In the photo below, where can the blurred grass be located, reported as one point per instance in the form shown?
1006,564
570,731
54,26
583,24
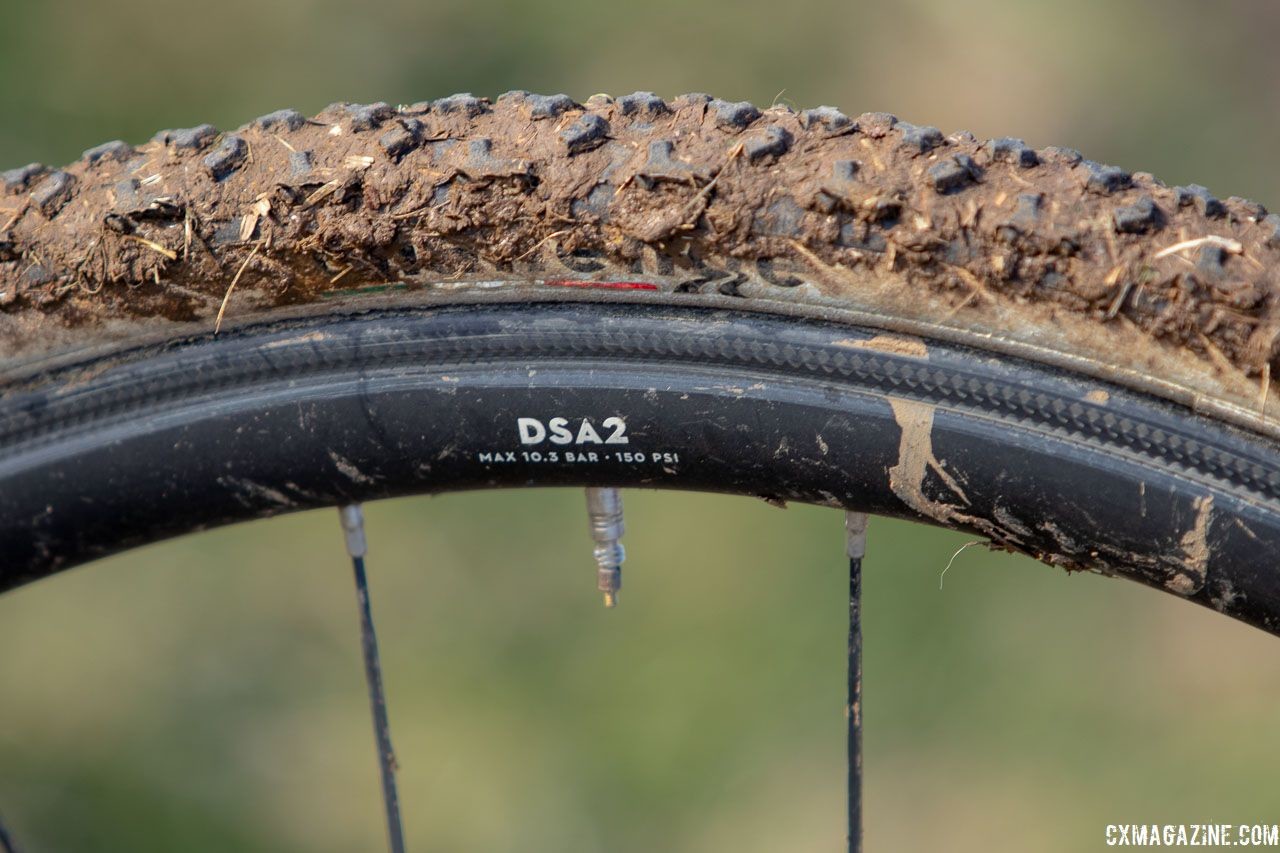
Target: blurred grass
206,694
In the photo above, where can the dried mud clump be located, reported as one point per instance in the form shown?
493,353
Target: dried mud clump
686,191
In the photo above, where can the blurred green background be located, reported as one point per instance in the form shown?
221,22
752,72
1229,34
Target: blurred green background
206,694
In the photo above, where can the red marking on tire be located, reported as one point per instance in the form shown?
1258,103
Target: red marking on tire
603,285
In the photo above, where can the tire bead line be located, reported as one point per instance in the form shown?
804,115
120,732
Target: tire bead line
896,376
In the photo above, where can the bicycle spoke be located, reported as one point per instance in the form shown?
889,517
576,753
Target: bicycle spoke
604,511
855,525
353,529
7,844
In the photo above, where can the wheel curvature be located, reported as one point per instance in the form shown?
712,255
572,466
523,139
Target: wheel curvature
281,417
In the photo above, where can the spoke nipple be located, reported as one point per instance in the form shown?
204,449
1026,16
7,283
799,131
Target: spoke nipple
855,530
353,529
604,512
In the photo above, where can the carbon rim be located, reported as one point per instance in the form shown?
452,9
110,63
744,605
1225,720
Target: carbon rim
297,415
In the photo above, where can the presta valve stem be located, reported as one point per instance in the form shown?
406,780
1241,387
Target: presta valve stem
604,512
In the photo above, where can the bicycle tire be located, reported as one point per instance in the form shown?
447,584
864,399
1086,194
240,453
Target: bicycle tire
806,267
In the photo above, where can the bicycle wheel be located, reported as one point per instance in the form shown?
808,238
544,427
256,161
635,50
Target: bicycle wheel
1069,360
